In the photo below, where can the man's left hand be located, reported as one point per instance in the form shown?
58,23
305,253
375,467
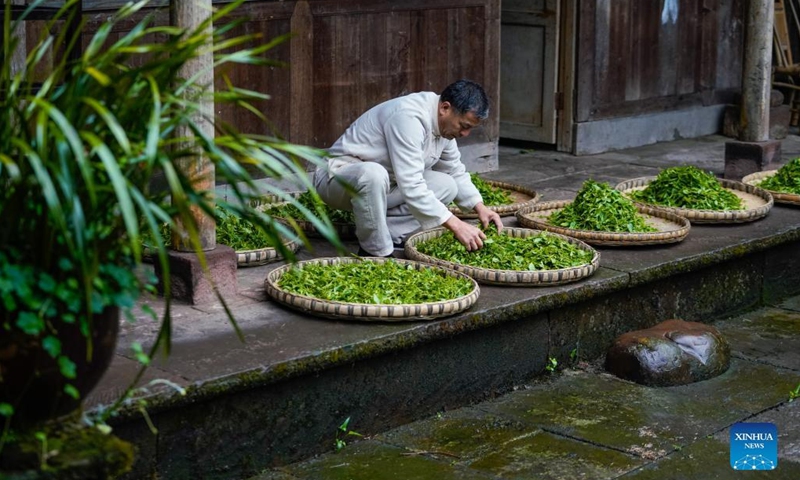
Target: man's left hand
485,215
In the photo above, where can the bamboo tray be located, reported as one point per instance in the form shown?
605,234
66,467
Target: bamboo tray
511,278
672,228
755,179
365,311
757,203
522,197
244,258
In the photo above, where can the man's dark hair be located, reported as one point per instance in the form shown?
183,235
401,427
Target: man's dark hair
467,96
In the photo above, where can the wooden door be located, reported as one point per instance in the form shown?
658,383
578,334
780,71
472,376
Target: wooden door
528,69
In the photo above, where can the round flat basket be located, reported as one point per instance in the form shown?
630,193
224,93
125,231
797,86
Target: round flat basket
509,278
365,311
262,256
757,203
520,195
755,179
671,228
244,258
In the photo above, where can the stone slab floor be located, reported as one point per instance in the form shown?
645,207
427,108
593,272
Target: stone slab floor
581,423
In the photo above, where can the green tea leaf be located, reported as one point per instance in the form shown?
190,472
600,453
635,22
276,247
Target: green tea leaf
688,187
536,252
374,283
785,180
598,207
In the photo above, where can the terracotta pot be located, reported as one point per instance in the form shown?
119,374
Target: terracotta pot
30,378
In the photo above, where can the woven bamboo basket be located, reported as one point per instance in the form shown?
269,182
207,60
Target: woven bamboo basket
755,179
671,228
522,197
757,203
370,312
510,278
244,258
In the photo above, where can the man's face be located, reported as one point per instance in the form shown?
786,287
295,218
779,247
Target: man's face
452,125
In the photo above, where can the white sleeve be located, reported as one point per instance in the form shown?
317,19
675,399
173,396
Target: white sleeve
450,163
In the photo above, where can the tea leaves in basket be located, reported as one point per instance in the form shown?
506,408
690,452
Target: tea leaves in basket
688,187
371,282
313,203
598,207
492,196
785,180
541,251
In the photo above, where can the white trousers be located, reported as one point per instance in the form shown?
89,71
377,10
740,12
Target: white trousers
382,217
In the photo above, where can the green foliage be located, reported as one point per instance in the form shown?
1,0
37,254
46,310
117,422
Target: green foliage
372,282
502,252
785,180
688,187
311,201
79,150
552,365
343,431
598,207
492,196
794,394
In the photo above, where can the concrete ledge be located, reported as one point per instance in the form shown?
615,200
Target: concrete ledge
619,133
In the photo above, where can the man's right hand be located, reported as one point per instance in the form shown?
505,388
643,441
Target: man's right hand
469,235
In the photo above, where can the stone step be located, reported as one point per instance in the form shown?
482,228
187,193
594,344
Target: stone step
279,396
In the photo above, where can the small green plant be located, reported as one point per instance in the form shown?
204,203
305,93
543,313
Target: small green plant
342,432
552,365
573,354
786,179
688,187
794,394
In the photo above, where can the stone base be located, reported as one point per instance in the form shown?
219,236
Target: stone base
744,158
190,283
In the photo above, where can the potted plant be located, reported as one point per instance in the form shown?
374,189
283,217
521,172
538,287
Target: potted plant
78,153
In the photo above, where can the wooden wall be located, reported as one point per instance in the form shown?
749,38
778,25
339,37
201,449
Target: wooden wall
630,63
348,55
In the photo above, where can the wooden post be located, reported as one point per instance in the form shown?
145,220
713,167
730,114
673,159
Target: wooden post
757,71
189,14
189,279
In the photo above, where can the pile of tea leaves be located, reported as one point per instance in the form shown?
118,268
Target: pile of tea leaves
231,231
503,252
785,180
688,187
372,282
492,196
600,208
313,203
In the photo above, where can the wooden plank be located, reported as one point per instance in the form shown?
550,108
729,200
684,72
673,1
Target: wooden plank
566,76
586,60
302,74
688,42
618,56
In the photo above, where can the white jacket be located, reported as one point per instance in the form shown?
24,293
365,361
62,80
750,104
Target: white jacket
402,134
